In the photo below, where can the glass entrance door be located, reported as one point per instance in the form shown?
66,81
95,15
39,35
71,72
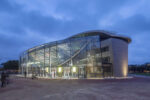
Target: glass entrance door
81,72
66,73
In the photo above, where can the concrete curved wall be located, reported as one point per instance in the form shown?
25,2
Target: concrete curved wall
120,57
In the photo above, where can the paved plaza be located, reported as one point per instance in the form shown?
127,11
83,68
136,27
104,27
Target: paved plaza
137,88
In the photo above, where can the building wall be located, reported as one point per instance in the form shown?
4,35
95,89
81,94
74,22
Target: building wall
120,57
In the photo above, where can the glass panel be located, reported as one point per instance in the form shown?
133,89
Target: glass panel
47,62
63,52
80,57
94,65
106,59
31,62
40,61
54,61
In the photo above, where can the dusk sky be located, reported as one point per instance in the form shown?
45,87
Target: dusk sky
28,23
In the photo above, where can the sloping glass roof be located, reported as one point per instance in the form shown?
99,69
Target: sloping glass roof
103,35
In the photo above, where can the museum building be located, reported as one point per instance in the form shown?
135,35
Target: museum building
91,54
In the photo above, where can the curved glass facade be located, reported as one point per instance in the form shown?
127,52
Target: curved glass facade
76,57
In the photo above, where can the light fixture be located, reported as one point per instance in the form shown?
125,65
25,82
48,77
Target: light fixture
59,69
47,69
74,69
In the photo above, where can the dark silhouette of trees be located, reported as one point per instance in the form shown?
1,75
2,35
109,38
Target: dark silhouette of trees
144,68
11,65
1,69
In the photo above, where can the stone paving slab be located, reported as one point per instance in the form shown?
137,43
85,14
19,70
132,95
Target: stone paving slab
43,89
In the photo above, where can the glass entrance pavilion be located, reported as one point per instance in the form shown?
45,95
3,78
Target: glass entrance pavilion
92,54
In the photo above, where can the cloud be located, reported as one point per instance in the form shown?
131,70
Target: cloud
45,7
27,23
